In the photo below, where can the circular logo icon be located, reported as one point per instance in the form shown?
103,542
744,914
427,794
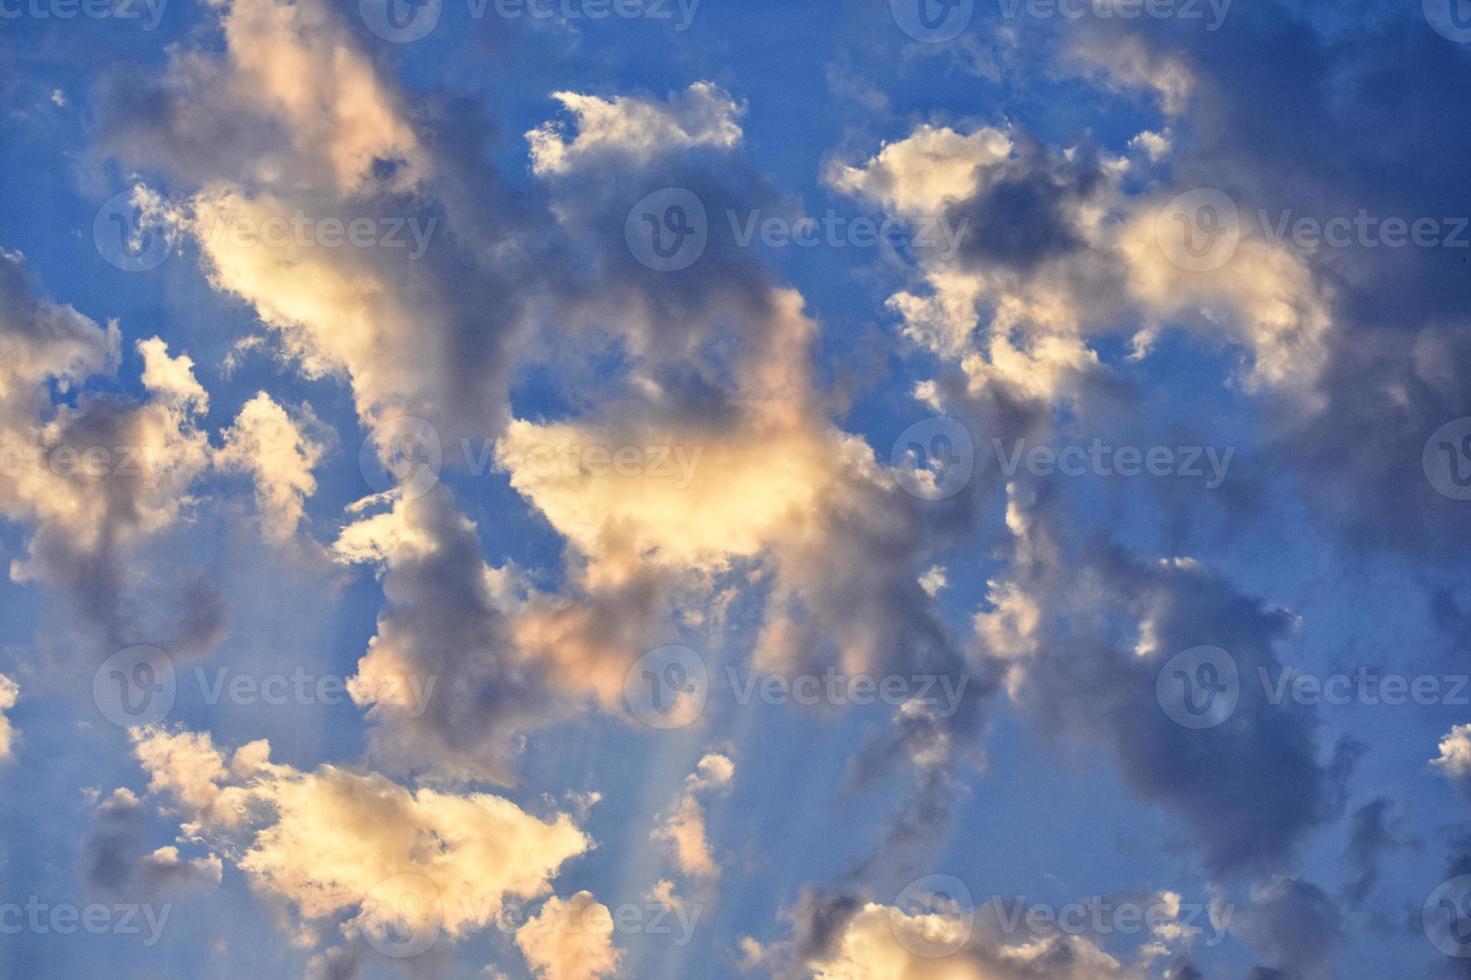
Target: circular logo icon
1199,688
1200,230
401,916
667,688
135,687
1446,917
127,239
1447,459
668,230
932,21
946,914
1451,18
933,459
410,457
400,21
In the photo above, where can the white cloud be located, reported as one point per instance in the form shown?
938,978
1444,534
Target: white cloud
570,940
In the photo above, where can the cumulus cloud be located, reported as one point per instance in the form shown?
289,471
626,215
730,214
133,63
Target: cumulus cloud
1084,632
1293,925
119,862
570,940
9,694
1455,753
683,830
94,475
340,846
1056,249
279,454
635,129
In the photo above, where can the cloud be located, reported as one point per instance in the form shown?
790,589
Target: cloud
119,863
1455,753
279,454
1084,631
570,940
684,828
1292,924
337,845
96,475
9,694
635,129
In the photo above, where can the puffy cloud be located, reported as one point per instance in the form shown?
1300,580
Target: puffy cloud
1455,753
684,828
119,863
336,844
1084,633
1294,926
9,694
634,128
570,940
279,454
97,475
878,942
445,685
1056,249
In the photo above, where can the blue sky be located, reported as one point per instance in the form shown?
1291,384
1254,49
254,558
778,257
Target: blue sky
575,490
